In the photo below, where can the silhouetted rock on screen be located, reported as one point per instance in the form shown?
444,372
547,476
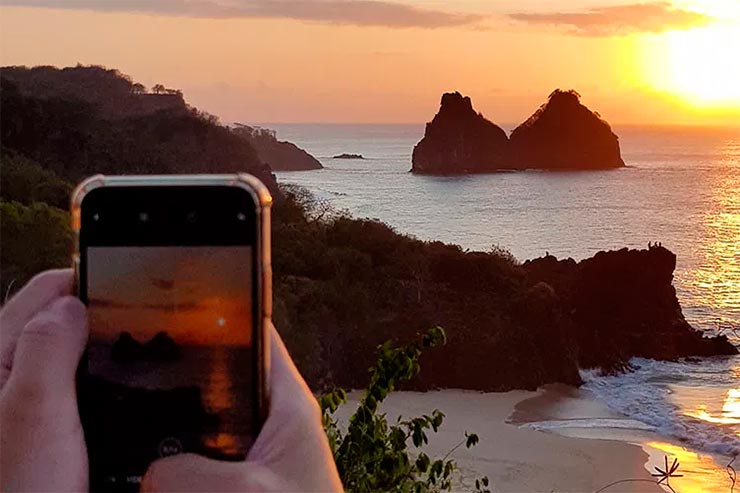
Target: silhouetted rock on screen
126,349
279,155
459,140
623,304
162,347
564,134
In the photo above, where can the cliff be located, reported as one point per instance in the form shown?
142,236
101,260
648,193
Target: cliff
622,304
459,140
279,155
564,134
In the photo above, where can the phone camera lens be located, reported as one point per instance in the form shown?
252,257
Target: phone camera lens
192,217
143,217
241,216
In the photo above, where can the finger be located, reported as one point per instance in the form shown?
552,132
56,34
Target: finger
292,440
49,349
18,311
193,473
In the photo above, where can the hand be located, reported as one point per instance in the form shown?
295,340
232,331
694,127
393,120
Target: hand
43,330
291,453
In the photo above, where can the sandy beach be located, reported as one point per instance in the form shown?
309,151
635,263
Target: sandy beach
517,458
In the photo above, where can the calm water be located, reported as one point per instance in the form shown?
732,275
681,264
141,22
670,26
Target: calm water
681,187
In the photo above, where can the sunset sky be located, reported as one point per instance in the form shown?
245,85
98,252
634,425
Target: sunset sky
389,61
198,295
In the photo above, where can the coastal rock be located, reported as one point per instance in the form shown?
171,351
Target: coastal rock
622,304
459,140
278,154
564,134
348,156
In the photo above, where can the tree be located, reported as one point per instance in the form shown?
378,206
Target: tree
158,89
138,88
35,238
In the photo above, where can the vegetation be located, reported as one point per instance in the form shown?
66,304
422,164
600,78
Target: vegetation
373,455
35,237
74,138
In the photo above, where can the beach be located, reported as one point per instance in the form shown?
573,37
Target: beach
517,458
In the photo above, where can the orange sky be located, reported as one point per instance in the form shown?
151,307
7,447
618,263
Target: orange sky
389,61
198,295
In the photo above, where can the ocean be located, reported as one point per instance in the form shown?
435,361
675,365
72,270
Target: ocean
681,187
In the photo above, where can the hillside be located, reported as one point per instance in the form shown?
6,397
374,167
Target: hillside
76,131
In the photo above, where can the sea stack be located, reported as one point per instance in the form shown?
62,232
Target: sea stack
564,134
459,140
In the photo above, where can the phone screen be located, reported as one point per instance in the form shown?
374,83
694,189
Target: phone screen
171,358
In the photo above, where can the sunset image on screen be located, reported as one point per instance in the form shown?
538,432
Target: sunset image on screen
170,357
197,295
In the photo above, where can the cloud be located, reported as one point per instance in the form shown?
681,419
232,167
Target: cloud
339,12
619,19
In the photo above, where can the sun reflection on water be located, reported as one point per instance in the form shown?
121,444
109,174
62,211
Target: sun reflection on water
715,280
730,414
701,473
218,397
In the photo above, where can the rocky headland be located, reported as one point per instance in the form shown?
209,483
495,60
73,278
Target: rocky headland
279,155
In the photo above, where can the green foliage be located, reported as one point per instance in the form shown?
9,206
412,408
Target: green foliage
34,238
374,455
24,181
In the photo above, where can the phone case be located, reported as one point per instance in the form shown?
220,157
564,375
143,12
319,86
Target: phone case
263,200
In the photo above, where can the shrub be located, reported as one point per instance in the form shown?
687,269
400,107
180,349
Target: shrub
373,455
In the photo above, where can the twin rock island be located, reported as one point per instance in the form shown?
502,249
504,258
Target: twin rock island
562,134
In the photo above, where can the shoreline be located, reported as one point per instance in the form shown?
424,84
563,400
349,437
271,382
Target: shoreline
517,458
568,411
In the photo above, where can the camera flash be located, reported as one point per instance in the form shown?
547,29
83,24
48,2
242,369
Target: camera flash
96,216
143,217
241,216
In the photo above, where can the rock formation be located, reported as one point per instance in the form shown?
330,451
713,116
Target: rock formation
622,304
561,135
279,155
459,140
564,134
348,156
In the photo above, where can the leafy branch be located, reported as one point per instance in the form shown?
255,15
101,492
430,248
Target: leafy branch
373,455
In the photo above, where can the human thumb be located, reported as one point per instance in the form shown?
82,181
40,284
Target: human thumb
49,350
194,473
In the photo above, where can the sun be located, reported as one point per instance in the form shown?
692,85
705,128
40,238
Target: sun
698,67
703,65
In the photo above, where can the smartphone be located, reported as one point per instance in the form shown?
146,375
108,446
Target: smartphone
175,271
